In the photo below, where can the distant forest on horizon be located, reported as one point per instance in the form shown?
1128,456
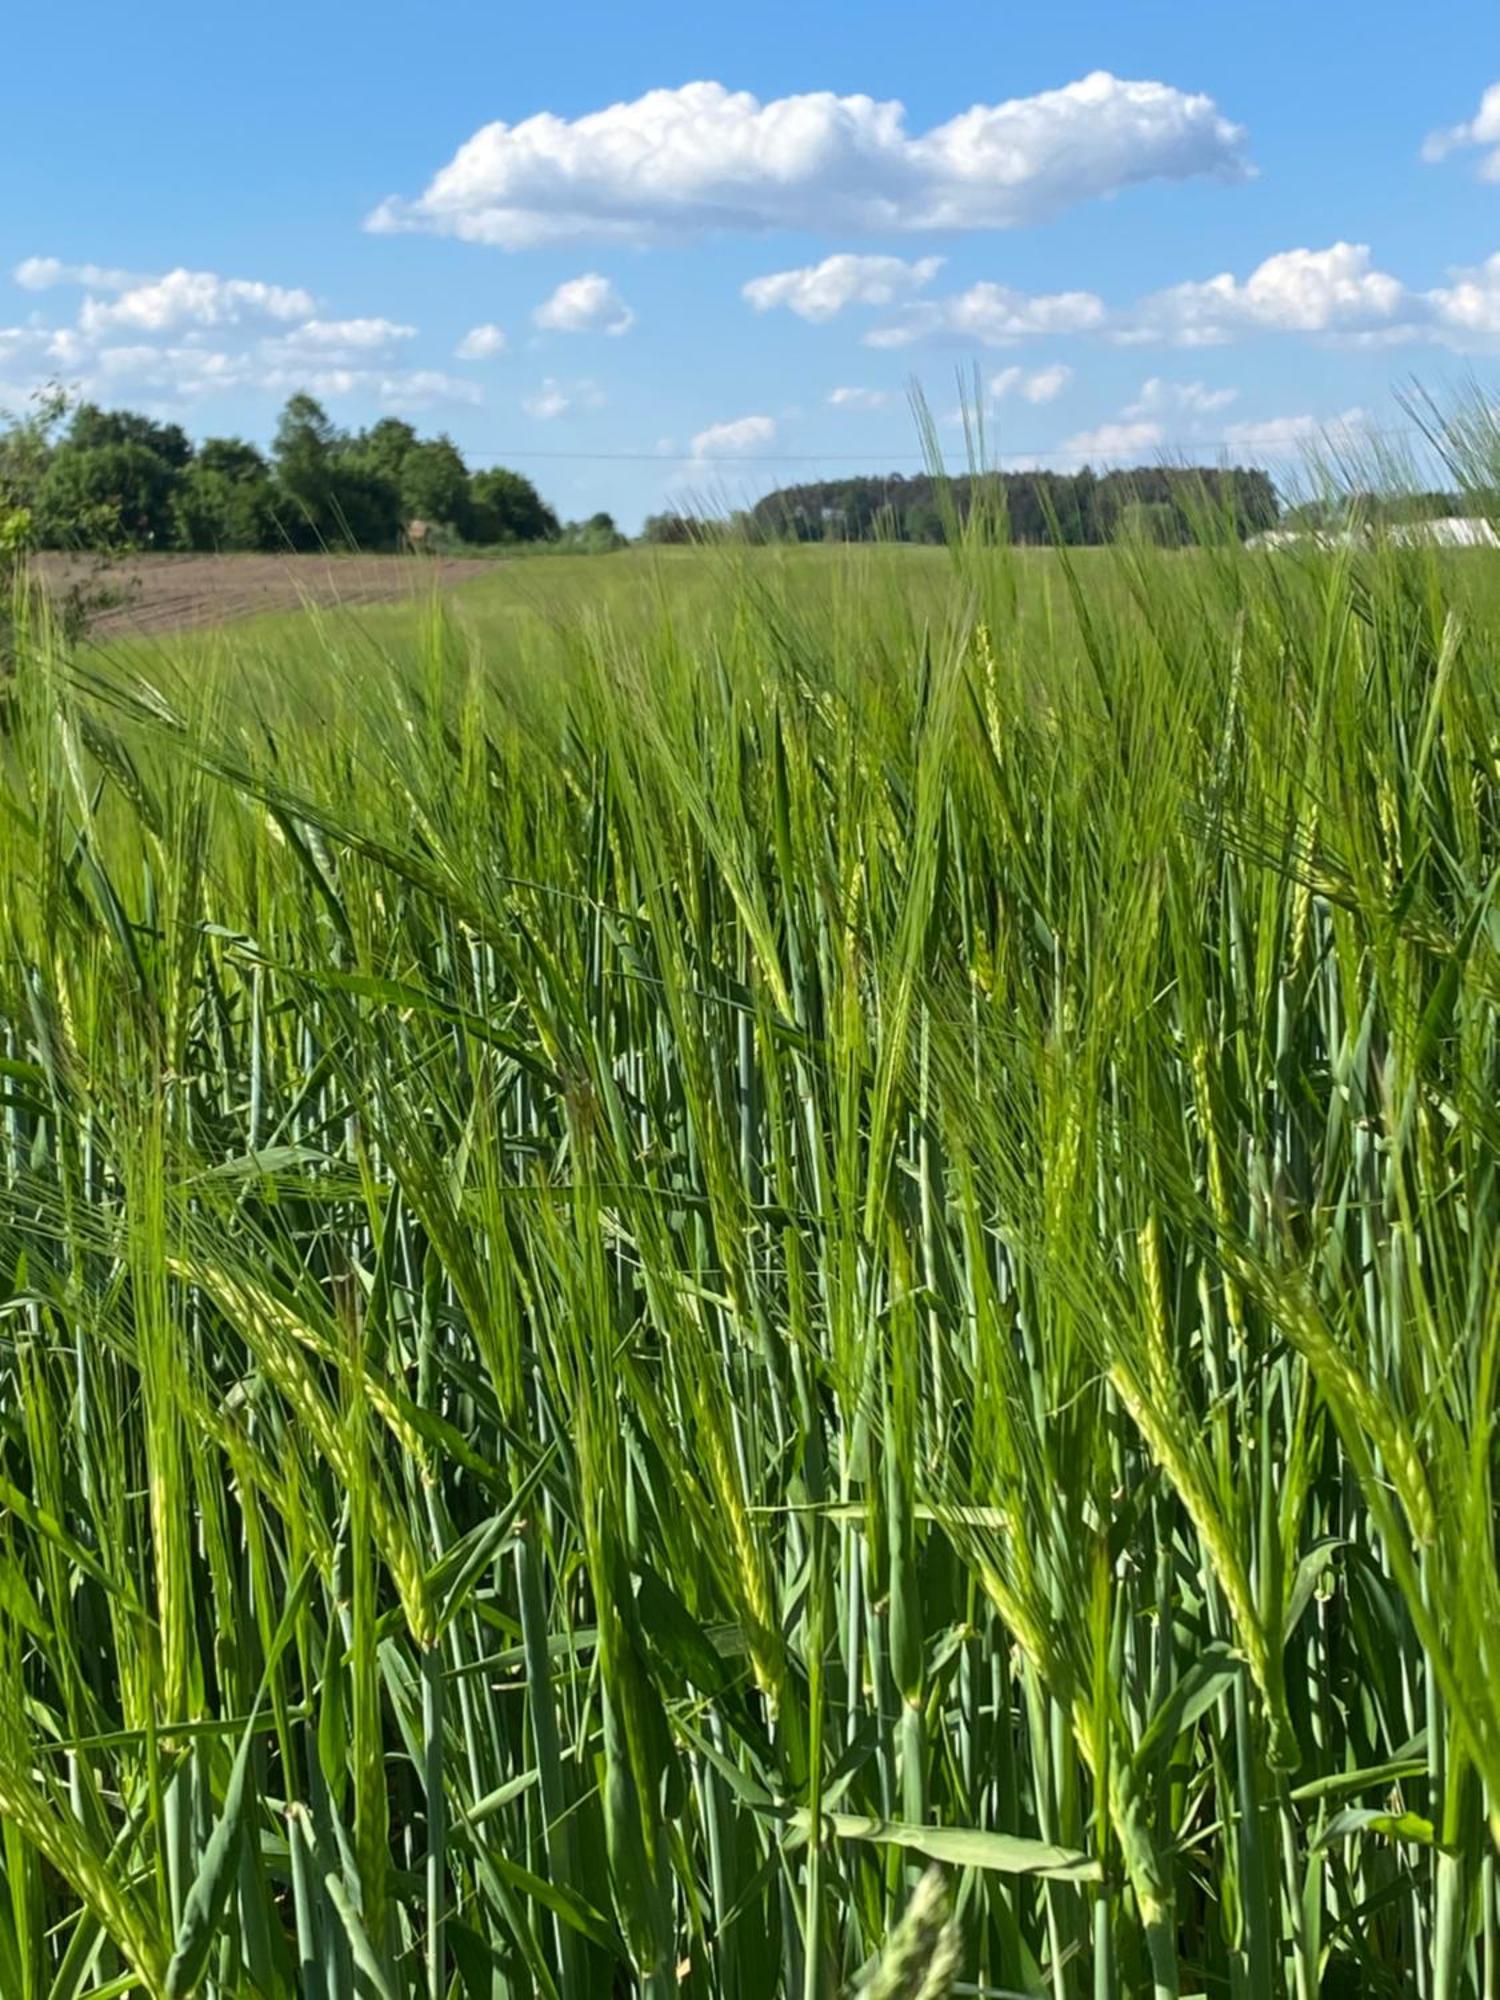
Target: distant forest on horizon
82,477
1169,504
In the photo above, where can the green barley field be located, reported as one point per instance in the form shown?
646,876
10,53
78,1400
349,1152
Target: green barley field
757,1274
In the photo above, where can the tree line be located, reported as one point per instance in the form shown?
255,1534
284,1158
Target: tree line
1171,505
86,477
1175,506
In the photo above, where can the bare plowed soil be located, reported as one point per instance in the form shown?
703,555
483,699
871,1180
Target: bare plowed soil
171,592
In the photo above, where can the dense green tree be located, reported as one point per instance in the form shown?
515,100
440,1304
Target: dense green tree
598,535
212,509
331,497
26,447
434,484
671,529
384,446
234,458
508,508
226,499
108,495
93,427
303,454
364,508
120,479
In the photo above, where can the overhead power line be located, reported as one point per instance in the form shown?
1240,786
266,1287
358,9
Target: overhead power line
997,462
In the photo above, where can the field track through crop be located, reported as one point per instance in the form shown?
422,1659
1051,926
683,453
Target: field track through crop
162,593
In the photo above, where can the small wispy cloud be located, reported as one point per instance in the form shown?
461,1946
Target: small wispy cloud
1115,440
1481,132
482,343
1032,385
1159,397
1292,435
588,304
994,315
41,274
556,399
734,439
819,291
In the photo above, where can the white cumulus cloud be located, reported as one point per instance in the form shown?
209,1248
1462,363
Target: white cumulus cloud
704,157
408,389
1032,385
1470,306
734,439
325,335
1116,440
40,274
194,298
859,399
818,291
549,401
173,333
994,315
1336,294
1337,290
183,374
1291,436
589,304
330,343
423,389
1134,435
1481,131
192,334
482,343
178,373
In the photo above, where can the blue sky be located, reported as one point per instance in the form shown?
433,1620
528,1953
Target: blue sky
1152,227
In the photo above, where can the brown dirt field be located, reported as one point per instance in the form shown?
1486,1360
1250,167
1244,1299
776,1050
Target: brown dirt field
171,592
